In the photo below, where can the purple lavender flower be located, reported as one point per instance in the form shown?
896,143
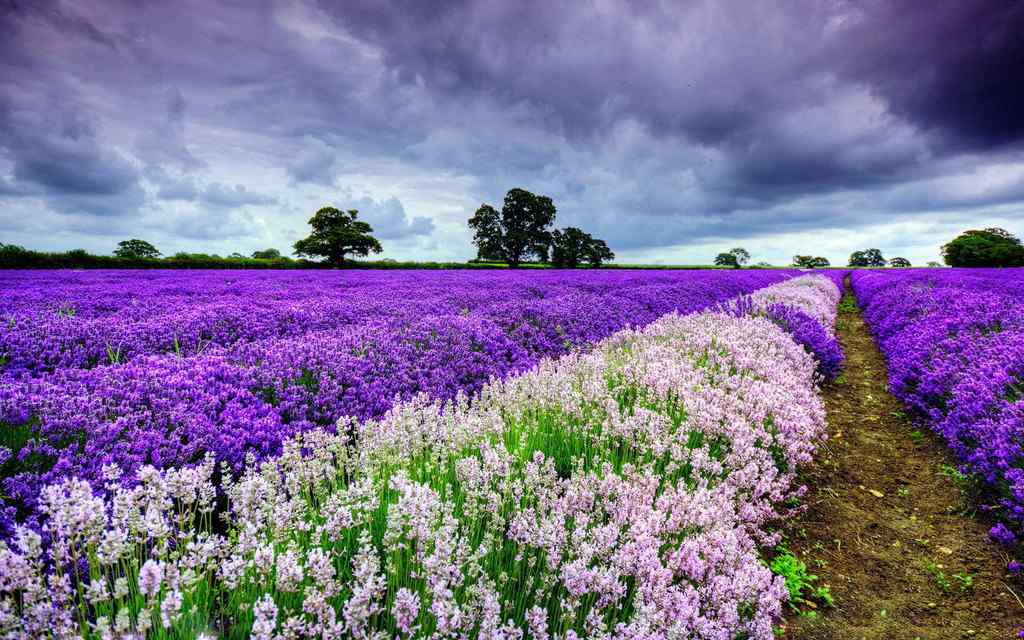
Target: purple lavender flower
954,341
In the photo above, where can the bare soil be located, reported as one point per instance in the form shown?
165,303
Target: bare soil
887,529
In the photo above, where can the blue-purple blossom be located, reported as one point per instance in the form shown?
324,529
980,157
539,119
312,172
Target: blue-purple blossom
954,341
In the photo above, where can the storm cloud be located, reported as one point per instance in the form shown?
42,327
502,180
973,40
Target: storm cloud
669,129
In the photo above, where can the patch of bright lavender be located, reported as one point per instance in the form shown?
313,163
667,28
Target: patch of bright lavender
615,492
804,307
954,341
158,368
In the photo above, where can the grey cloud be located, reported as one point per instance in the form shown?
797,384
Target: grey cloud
389,219
164,144
220,195
315,162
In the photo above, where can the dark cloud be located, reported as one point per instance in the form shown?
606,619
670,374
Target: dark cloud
955,67
163,145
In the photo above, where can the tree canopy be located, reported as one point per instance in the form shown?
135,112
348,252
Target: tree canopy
992,247
727,260
572,246
742,255
867,258
337,234
266,254
519,232
810,262
899,263
136,248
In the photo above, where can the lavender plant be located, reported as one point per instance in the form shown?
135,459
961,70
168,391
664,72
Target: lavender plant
953,340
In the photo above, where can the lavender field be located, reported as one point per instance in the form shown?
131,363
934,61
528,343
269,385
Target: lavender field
954,341
405,454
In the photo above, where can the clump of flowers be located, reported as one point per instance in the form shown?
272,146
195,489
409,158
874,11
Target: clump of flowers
954,341
810,334
805,308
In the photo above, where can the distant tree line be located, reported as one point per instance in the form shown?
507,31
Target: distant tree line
522,232
13,256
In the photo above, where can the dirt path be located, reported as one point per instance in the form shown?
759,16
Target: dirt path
886,527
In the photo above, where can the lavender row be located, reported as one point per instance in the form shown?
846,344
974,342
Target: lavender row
615,493
954,341
58,320
165,410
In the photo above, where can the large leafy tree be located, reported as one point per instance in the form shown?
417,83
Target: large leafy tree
810,262
727,260
598,253
992,247
867,258
135,248
519,232
742,255
572,246
337,234
899,263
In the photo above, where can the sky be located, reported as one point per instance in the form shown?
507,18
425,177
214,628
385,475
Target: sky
673,130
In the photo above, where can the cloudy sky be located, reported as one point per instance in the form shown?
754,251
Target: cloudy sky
673,130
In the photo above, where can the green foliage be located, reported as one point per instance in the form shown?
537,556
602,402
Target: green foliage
727,260
848,304
969,486
867,258
136,248
742,255
266,254
939,575
799,582
571,247
899,263
337,234
964,580
810,262
992,247
519,232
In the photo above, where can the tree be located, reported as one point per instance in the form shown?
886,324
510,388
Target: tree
571,246
519,232
810,262
867,258
267,254
992,247
487,233
727,260
135,249
337,234
933,264
899,263
599,253
742,256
